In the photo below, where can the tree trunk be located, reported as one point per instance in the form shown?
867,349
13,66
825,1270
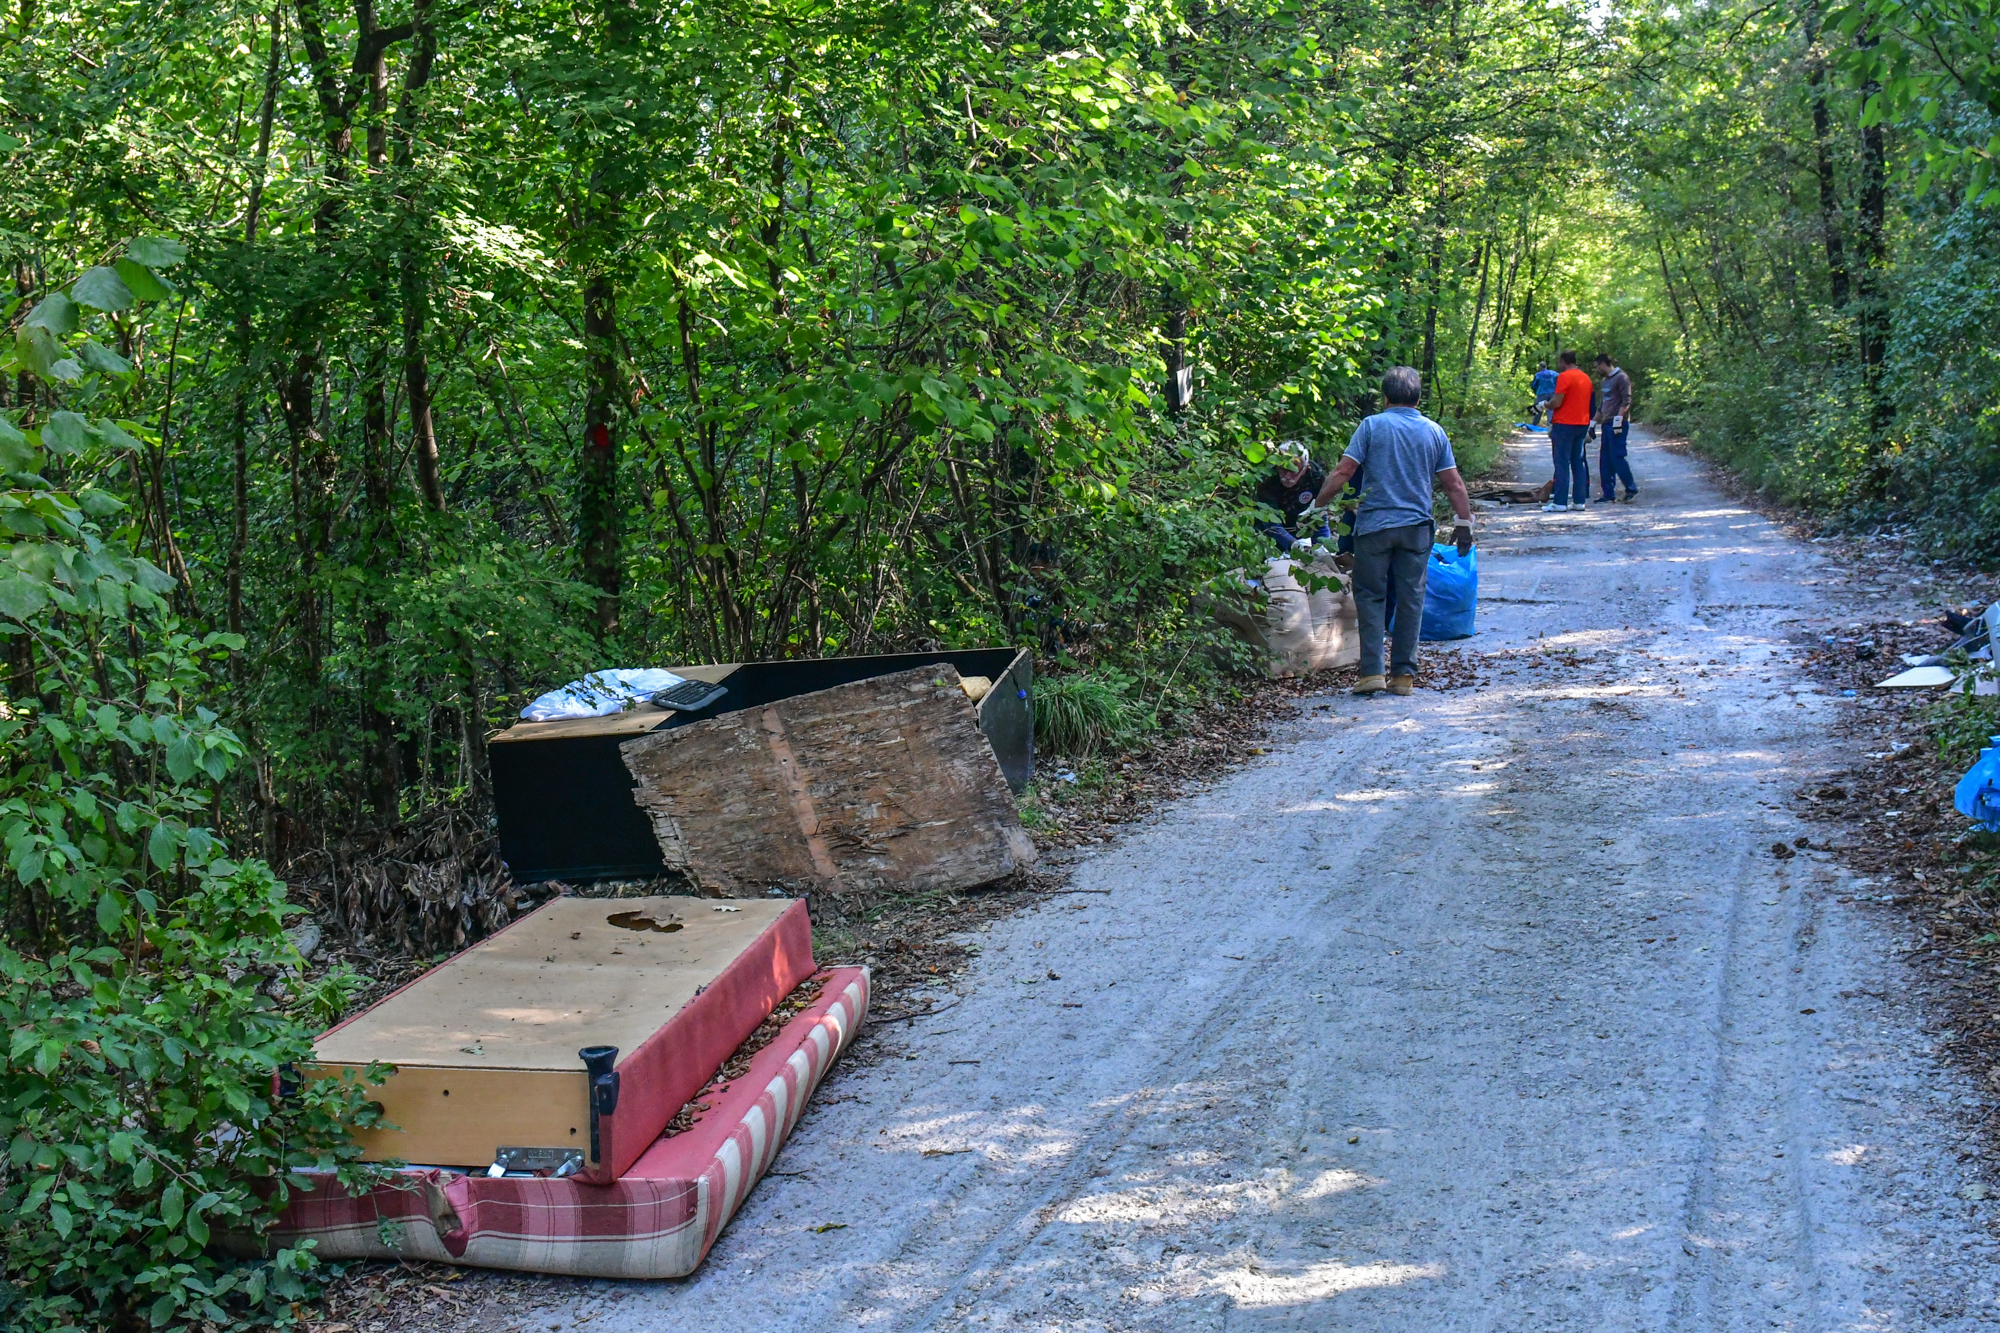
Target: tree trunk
1528,305
1506,301
1180,376
1873,254
1478,310
1429,366
599,535
24,287
1829,197
383,766
1680,316
239,530
598,527
415,281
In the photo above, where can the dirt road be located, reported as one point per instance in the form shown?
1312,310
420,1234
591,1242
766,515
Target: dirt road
1482,1010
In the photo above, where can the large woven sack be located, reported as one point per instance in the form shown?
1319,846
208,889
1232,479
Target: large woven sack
1295,630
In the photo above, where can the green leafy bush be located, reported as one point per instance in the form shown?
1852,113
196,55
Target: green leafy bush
151,998
140,1116
1962,724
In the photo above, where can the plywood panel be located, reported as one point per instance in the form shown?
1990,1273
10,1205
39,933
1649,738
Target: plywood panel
485,1046
462,1117
879,784
559,979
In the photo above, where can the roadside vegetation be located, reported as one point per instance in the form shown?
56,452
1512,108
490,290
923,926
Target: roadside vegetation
369,370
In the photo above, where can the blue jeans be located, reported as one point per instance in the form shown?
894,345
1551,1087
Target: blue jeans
1566,443
1611,460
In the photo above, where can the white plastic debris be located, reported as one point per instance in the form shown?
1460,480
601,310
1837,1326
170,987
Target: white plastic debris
1923,677
601,693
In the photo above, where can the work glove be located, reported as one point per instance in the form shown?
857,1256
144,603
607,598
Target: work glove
1461,537
1617,422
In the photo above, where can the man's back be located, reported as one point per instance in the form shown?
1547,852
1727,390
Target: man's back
1402,451
1545,382
1576,389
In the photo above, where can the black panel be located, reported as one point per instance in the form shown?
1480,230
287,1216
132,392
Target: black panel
1007,716
565,810
565,806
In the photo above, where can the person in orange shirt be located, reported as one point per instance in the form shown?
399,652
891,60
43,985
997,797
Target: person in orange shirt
1569,426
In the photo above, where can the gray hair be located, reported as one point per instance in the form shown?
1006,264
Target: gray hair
1402,386
1292,451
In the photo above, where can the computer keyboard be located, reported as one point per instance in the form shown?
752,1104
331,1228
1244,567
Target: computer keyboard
689,696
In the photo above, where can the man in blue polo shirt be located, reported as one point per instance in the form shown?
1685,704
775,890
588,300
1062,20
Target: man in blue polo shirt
1406,454
1544,385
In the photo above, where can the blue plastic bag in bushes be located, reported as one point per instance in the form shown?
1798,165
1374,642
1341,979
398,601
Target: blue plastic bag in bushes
1451,594
1978,793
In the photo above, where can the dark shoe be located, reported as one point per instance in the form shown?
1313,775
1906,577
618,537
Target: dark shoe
1630,496
1402,684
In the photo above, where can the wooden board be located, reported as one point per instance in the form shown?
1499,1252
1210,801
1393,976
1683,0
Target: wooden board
882,784
486,1044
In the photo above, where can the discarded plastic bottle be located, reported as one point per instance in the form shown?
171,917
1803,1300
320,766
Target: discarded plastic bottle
1978,793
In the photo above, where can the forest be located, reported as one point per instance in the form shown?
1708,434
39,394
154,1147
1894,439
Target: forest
371,368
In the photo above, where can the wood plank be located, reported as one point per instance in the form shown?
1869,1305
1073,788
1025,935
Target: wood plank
559,979
462,1117
879,785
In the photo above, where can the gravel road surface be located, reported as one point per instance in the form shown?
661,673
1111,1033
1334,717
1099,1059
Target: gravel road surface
1490,1009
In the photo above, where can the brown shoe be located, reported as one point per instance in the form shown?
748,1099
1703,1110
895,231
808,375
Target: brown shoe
1370,685
1402,684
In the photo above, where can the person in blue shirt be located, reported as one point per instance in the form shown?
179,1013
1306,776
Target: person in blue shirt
1407,455
1545,388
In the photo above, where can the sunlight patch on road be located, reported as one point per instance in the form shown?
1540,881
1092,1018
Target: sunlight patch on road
1344,798
1333,1182
1176,1203
1852,1155
1261,1285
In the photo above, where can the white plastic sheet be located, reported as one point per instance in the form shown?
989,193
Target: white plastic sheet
1923,677
601,693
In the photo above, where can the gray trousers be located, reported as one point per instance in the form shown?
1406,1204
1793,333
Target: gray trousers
1398,558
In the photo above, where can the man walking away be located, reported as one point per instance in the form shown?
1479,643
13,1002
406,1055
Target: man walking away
1544,386
1614,418
1567,429
1406,454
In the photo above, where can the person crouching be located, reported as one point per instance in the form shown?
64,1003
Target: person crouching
1295,479
1406,454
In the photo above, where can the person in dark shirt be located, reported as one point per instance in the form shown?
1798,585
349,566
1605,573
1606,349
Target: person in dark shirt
1294,482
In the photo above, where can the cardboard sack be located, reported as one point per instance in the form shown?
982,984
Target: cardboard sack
1296,631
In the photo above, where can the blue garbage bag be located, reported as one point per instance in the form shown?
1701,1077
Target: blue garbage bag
1451,594
1978,793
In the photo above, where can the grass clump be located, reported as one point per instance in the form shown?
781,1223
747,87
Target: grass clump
1078,715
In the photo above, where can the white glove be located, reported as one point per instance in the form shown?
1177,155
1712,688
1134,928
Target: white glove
1616,422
